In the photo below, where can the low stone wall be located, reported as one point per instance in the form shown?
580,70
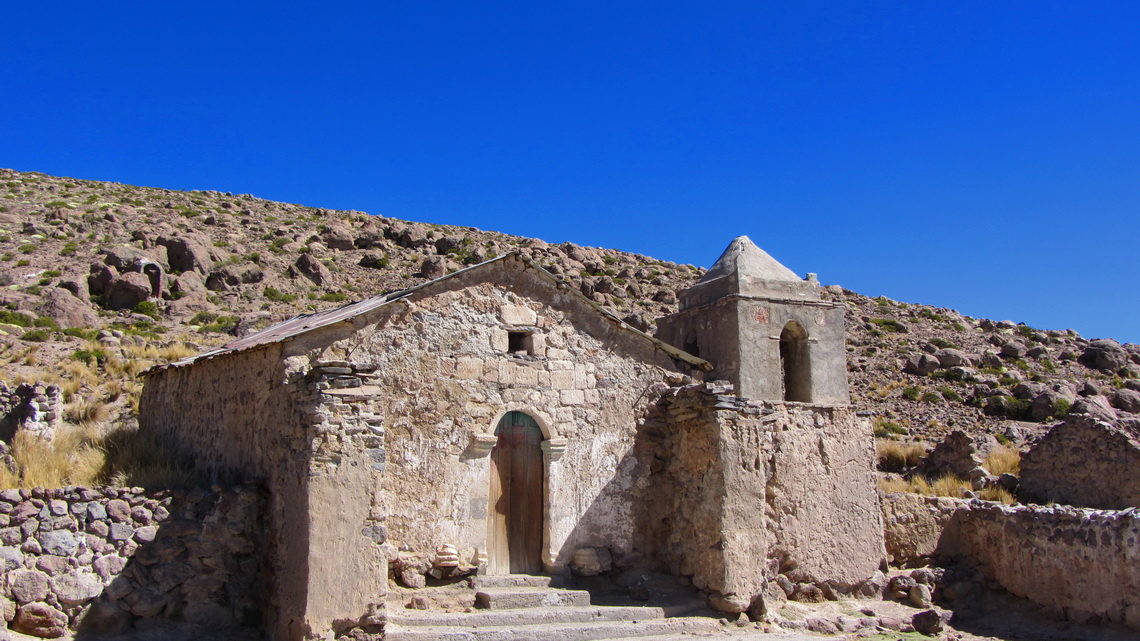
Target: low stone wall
1080,564
106,560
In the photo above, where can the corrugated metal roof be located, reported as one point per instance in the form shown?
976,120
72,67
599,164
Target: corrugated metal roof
308,322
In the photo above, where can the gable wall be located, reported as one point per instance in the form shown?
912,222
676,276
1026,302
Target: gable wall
442,378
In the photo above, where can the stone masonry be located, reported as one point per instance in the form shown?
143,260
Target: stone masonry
105,561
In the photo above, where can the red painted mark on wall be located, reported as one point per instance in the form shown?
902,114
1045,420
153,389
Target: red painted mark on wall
820,318
760,314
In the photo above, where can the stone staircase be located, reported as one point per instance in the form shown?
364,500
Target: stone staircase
543,608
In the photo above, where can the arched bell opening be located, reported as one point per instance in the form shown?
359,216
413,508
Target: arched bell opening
795,360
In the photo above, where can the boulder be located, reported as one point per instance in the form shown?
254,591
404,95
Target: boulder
309,267
339,237
437,266
100,278
1127,400
128,290
1104,354
231,276
1014,349
929,622
187,254
76,588
66,308
922,364
950,357
29,585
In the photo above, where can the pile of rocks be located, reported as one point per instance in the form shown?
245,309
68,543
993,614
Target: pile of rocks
104,560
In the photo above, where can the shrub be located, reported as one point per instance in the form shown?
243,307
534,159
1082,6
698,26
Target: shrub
890,325
949,393
147,308
334,297
911,393
220,325
274,294
931,397
27,248
16,318
885,427
942,343
37,335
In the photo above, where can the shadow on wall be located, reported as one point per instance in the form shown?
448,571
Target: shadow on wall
105,561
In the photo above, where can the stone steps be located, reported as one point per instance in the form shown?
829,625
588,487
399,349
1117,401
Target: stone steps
511,598
582,631
531,608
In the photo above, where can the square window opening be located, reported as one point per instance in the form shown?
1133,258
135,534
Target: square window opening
520,342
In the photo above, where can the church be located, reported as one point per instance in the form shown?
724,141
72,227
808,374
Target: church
499,412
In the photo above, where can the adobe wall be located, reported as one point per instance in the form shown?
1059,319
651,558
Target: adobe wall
741,336
749,490
241,417
1079,563
105,561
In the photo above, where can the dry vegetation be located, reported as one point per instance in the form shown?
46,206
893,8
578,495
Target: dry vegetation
896,457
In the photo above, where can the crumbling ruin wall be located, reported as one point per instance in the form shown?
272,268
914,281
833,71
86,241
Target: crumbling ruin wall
29,406
105,561
1084,563
919,529
749,490
1081,564
1084,462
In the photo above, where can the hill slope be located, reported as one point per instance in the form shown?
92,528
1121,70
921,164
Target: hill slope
101,280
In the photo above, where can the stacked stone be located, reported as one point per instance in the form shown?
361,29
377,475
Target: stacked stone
104,560
30,406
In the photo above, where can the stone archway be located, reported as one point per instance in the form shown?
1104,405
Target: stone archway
796,363
517,485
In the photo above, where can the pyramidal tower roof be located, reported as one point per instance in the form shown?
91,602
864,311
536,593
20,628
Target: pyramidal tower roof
745,259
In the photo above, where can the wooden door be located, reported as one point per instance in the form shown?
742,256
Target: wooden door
515,545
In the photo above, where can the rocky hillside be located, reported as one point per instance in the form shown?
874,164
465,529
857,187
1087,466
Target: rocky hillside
100,280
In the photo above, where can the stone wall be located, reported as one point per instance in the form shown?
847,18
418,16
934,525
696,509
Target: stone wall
1079,564
747,491
33,407
106,561
373,434
1082,563
1086,462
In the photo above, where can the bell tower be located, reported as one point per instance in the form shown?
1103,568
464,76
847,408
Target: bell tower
764,328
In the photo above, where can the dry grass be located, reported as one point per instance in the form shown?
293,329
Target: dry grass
140,460
1003,460
948,485
84,411
896,456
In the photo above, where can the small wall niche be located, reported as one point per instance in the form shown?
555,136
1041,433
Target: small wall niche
520,343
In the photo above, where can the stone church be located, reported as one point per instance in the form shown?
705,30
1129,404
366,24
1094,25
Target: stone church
499,411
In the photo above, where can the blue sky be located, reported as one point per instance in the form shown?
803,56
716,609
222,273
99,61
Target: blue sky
981,156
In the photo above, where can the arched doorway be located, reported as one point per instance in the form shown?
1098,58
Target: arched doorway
795,360
515,537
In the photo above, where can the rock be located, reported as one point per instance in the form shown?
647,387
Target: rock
29,585
1097,407
187,283
731,603
232,276
922,364
928,622
588,561
76,588
66,308
639,592
11,558
951,357
128,290
99,279
338,237
58,542
919,596
1014,349
40,620
412,578
309,267
437,266
187,254
1104,354
808,593
105,619
1127,400
146,602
